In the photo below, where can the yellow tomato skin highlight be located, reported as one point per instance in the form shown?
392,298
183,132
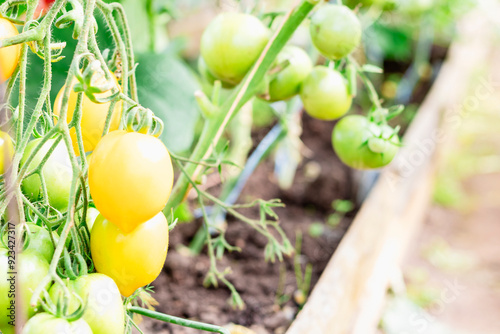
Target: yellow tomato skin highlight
93,117
6,151
9,56
130,178
132,260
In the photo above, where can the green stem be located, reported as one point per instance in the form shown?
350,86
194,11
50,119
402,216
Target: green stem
130,50
372,92
215,126
178,321
150,10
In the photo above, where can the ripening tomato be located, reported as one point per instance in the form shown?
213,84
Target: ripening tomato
104,312
130,178
231,44
362,144
6,151
43,7
286,83
57,173
44,323
9,56
31,269
325,94
335,31
93,117
132,260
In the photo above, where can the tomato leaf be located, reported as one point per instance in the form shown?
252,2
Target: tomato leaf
166,86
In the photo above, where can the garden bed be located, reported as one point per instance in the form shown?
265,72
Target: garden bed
350,293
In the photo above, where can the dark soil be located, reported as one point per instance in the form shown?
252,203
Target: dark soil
179,289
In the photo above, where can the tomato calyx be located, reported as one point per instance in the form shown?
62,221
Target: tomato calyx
143,120
93,81
382,115
72,266
61,307
38,47
382,135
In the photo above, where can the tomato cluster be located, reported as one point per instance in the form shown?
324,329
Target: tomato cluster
232,44
130,178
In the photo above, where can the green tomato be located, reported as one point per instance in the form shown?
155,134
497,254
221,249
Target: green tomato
362,144
6,151
335,31
44,323
31,269
287,82
39,242
57,173
208,76
325,94
104,312
231,44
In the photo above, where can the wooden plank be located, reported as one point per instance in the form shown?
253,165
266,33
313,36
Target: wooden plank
349,295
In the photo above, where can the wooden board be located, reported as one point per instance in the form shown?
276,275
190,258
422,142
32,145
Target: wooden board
350,294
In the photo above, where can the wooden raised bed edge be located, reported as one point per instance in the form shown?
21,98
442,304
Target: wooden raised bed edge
350,294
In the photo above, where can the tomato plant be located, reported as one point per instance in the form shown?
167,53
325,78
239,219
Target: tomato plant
335,31
132,260
325,94
48,323
93,117
362,144
287,82
56,172
231,44
9,56
6,151
109,208
31,269
130,178
104,310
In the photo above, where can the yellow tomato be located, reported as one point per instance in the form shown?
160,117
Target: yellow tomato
130,178
93,117
9,56
6,151
132,260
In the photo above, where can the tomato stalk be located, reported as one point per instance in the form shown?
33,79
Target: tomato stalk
177,321
64,128
372,92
